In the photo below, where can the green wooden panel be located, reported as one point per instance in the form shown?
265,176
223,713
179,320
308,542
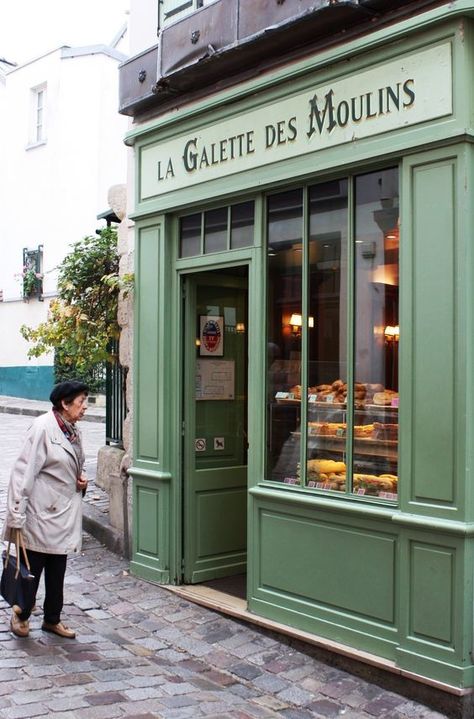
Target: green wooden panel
220,529
345,568
146,339
433,332
432,576
147,508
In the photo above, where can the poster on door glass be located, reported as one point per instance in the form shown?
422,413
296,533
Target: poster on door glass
211,336
215,379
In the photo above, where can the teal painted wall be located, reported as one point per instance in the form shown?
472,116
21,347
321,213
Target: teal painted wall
26,382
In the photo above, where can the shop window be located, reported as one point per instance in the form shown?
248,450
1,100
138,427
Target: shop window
333,336
217,230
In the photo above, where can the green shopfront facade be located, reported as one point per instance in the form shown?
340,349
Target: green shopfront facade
304,344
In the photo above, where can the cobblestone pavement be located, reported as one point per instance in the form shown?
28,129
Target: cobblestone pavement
143,652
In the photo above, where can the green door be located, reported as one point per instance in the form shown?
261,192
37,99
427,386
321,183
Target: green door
215,424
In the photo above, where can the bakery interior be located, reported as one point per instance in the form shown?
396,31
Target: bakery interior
340,240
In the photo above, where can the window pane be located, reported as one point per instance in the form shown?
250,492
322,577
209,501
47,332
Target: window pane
190,236
375,441
327,341
285,222
215,230
242,225
39,115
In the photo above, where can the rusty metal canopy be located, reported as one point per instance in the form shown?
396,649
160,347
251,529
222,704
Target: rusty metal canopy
229,39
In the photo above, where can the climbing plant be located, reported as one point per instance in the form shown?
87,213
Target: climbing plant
82,319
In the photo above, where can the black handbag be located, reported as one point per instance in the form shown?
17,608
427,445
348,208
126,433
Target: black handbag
17,585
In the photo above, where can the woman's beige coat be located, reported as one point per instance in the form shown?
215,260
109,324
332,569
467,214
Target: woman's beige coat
43,499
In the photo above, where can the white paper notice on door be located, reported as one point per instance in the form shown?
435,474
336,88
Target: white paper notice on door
215,379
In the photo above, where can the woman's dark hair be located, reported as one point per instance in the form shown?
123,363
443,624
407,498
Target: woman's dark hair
67,391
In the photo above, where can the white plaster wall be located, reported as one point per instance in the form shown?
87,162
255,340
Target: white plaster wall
143,25
13,347
51,194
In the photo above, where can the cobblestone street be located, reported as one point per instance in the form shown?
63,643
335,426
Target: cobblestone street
142,652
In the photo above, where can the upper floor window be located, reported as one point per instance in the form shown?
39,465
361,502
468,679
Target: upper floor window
171,10
38,115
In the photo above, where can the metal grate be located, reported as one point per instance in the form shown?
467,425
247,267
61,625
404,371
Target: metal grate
115,401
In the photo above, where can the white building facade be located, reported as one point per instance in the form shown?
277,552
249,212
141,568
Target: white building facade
62,148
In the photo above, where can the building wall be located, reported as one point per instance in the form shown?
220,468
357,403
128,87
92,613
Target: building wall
54,190
143,25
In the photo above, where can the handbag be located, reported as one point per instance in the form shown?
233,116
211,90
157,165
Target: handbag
17,584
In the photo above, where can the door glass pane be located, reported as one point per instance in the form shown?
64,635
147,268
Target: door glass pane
242,225
215,230
327,336
375,441
221,375
284,302
190,235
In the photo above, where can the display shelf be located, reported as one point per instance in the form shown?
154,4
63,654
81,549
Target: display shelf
362,445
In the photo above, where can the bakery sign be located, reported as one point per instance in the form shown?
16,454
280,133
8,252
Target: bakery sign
396,94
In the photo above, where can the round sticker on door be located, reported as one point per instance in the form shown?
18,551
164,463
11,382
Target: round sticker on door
211,336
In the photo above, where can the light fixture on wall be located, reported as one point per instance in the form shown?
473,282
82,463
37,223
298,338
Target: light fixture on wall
392,333
240,328
296,322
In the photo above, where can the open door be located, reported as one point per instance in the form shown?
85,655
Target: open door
215,425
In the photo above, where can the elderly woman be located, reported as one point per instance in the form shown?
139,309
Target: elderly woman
45,501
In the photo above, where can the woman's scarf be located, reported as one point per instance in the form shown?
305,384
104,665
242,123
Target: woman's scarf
71,433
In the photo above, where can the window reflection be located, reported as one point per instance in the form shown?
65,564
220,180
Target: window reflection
190,236
375,437
215,230
327,341
242,225
285,258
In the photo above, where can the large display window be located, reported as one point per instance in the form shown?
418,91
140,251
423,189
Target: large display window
332,335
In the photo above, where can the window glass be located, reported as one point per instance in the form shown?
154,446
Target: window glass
375,435
190,236
327,340
39,115
350,443
285,258
215,230
242,225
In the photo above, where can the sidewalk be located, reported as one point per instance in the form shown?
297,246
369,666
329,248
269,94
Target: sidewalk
35,407
96,505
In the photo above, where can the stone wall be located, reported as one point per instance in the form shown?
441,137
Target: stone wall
113,462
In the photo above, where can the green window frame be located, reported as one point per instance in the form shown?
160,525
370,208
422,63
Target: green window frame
216,229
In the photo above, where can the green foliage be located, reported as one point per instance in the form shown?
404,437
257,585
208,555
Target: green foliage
31,281
82,320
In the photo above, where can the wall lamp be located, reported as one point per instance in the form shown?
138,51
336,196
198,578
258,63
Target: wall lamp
296,322
392,333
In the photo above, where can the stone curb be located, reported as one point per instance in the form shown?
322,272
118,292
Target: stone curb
32,412
95,524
